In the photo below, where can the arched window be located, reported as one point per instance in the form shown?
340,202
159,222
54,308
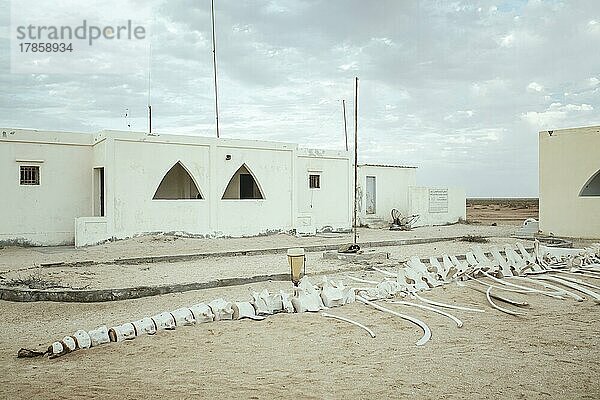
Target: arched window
243,185
177,184
592,186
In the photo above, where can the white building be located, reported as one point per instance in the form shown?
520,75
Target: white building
382,187
82,188
570,182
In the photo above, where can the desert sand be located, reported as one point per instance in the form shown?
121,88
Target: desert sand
551,352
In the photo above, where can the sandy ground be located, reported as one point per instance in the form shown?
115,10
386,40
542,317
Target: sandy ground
501,211
102,276
159,245
549,353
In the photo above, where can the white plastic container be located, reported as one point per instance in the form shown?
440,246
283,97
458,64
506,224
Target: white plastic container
297,260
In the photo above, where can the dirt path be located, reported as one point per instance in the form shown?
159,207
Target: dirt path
110,276
164,245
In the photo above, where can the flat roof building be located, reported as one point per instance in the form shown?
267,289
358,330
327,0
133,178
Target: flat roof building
83,188
569,173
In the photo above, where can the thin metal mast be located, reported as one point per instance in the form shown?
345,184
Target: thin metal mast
149,90
345,126
214,43
355,152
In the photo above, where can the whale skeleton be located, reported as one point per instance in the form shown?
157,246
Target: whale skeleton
497,307
543,264
324,314
494,295
458,322
426,331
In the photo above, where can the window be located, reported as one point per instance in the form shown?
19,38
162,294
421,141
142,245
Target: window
30,175
177,184
314,181
242,186
592,186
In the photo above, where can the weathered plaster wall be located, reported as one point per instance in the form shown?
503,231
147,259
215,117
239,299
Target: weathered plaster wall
421,202
392,185
567,159
136,163
44,214
331,204
272,168
67,203
68,200
133,175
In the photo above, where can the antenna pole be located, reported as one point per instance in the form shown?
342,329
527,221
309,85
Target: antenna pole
212,8
345,127
149,89
127,118
355,151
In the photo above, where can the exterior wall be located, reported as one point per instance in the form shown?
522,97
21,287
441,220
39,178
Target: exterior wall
134,174
568,158
432,211
66,206
392,185
67,203
331,204
90,230
44,214
138,166
272,167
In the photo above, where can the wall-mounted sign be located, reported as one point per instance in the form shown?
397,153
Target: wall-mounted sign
438,200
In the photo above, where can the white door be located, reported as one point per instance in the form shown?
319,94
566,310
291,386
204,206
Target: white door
371,195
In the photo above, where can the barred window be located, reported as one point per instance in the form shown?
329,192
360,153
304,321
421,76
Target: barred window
30,175
314,181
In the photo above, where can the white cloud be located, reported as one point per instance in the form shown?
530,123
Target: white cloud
351,66
535,87
459,115
520,38
384,40
488,87
581,107
508,40
555,114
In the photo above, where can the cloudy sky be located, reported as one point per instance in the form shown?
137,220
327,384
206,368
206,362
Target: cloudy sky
458,88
